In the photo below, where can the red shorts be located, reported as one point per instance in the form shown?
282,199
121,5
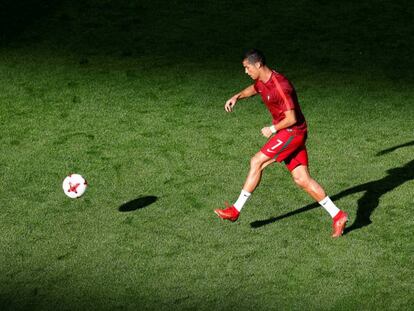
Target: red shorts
288,146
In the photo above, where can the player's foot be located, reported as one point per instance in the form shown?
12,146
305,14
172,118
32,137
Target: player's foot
229,213
339,223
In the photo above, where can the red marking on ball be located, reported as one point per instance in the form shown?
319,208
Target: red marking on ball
73,188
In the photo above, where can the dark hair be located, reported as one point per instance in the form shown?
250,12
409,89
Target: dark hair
254,56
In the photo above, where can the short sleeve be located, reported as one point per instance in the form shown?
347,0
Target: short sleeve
285,95
288,101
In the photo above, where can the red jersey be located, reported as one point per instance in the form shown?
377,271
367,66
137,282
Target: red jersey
279,96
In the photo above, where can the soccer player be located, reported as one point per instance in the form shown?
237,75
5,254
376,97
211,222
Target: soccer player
286,139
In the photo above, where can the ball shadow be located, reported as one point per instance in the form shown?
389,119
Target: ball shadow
138,203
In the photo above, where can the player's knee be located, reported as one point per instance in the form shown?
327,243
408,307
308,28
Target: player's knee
301,181
255,163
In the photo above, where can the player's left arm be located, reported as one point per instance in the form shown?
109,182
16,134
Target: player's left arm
289,120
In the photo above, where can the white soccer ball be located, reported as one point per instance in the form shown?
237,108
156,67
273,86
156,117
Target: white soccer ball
74,186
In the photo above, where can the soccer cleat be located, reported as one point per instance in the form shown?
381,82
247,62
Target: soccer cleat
229,213
339,223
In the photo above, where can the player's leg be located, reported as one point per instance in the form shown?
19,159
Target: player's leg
274,150
257,164
303,179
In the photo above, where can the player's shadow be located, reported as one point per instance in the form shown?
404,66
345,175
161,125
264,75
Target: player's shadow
368,202
138,203
411,143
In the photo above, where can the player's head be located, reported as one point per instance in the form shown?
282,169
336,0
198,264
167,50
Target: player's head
253,61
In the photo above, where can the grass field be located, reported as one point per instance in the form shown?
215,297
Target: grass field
130,94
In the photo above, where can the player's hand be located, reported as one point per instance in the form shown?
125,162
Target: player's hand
267,132
230,104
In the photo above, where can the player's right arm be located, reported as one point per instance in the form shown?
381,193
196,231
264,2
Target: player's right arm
247,92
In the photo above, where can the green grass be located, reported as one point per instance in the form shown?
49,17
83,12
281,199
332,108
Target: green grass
131,95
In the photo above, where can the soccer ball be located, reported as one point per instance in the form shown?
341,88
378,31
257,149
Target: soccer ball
74,186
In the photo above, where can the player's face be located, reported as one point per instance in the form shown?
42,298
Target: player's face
251,69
